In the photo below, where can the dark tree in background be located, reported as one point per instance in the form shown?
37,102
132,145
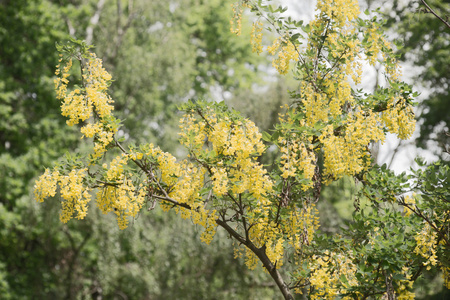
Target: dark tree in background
164,52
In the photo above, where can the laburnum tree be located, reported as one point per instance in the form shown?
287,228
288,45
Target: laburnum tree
400,225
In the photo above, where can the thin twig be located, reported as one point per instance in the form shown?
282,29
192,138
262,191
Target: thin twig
435,14
94,21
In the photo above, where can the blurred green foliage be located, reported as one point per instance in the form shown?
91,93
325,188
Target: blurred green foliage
160,54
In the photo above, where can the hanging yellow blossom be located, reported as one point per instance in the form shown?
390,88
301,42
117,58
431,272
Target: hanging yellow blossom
256,37
285,51
327,271
74,195
426,245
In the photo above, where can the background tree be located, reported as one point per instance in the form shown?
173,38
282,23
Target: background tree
31,134
158,68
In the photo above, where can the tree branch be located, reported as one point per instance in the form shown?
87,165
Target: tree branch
435,14
94,21
121,29
173,201
261,254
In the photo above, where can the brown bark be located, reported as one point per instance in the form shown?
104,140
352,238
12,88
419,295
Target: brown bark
261,254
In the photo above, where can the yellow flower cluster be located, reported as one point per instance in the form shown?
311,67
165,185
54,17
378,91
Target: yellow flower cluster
238,143
236,21
297,155
207,220
124,199
79,105
256,37
403,292
62,81
264,232
119,194
326,273
333,38
345,141
399,118
104,134
315,105
293,231
345,147
75,107
185,181
250,259
75,197
286,52
373,37
46,185
348,51
339,93
339,11
232,146
356,72
379,48
245,173
220,181
167,163
392,67
189,182
97,81
116,167
330,96
426,245
446,276
275,250
321,107
346,153
192,133
409,200
302,225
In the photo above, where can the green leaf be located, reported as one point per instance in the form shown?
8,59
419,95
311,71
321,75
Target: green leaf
266,136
